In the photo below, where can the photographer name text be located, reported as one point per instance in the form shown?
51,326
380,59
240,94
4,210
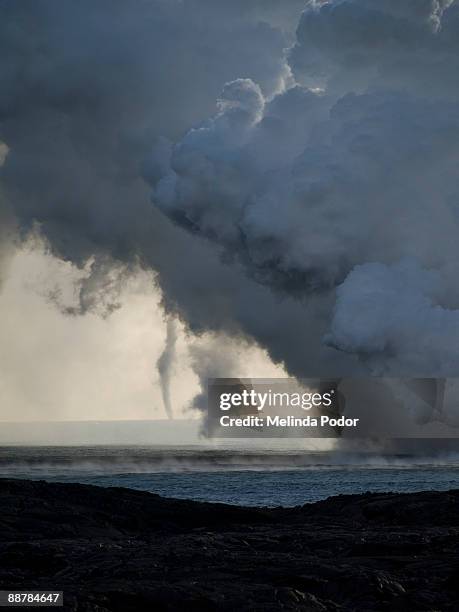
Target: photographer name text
287,421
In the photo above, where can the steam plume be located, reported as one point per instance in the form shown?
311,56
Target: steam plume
297,190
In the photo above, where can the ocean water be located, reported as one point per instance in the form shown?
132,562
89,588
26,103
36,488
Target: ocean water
259,478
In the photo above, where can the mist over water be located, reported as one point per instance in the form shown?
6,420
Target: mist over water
232,475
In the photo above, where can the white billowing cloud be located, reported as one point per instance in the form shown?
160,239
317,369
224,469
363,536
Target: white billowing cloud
355,164
307,218
225,357
391,317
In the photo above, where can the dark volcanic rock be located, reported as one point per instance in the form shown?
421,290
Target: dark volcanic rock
122,550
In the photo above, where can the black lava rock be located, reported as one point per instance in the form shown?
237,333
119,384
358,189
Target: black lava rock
121,550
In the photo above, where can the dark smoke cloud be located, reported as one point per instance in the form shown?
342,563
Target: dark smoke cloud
269,216
87,86
352,45
80,119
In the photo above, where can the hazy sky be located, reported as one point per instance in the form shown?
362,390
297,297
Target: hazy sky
76,367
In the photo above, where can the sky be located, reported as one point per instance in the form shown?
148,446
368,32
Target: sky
195,188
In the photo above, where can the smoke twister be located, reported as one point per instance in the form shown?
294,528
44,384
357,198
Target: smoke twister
165,365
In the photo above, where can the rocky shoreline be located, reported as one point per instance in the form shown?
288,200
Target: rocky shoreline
122,550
